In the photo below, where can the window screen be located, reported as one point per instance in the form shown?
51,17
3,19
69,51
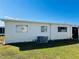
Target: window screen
62,29
43,28
21,28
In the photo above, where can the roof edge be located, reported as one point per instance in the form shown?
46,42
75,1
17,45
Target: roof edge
21,20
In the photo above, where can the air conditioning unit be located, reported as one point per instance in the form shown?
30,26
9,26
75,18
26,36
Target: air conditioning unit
42,39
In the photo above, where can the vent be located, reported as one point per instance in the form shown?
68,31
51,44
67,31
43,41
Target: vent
42,39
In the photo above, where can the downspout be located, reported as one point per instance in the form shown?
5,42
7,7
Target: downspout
50,31
4,32
78,33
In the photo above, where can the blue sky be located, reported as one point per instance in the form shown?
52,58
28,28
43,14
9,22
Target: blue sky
60,11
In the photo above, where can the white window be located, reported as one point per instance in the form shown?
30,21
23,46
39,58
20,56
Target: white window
43,28
21,28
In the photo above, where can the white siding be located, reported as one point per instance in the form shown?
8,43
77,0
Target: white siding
60,35
34,30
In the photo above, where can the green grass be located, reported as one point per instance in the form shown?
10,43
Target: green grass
60,52
52,50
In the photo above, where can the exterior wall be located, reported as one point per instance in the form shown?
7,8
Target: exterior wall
34,30
78,33
60,35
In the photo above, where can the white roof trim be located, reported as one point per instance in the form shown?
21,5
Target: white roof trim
13,20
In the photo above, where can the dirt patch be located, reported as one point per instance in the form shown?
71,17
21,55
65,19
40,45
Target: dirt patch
1,39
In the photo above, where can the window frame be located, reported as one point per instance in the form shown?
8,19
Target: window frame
21,31
43,29
62,29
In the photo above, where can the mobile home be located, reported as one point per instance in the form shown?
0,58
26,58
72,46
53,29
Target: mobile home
27,31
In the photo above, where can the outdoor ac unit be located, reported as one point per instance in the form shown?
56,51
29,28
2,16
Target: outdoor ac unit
42,39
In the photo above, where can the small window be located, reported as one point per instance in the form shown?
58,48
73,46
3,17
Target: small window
43,28
21,28
62,29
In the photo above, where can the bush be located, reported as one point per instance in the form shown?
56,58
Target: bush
8,50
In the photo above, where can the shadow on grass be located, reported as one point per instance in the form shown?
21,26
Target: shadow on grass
32,45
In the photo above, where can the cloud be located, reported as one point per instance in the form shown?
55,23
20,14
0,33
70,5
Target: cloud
7,17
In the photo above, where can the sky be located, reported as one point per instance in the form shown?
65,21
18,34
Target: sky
55,11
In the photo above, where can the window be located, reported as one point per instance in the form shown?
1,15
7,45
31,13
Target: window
21,28
62,29
2,30
43,28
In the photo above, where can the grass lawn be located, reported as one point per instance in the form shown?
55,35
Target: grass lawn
44,51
